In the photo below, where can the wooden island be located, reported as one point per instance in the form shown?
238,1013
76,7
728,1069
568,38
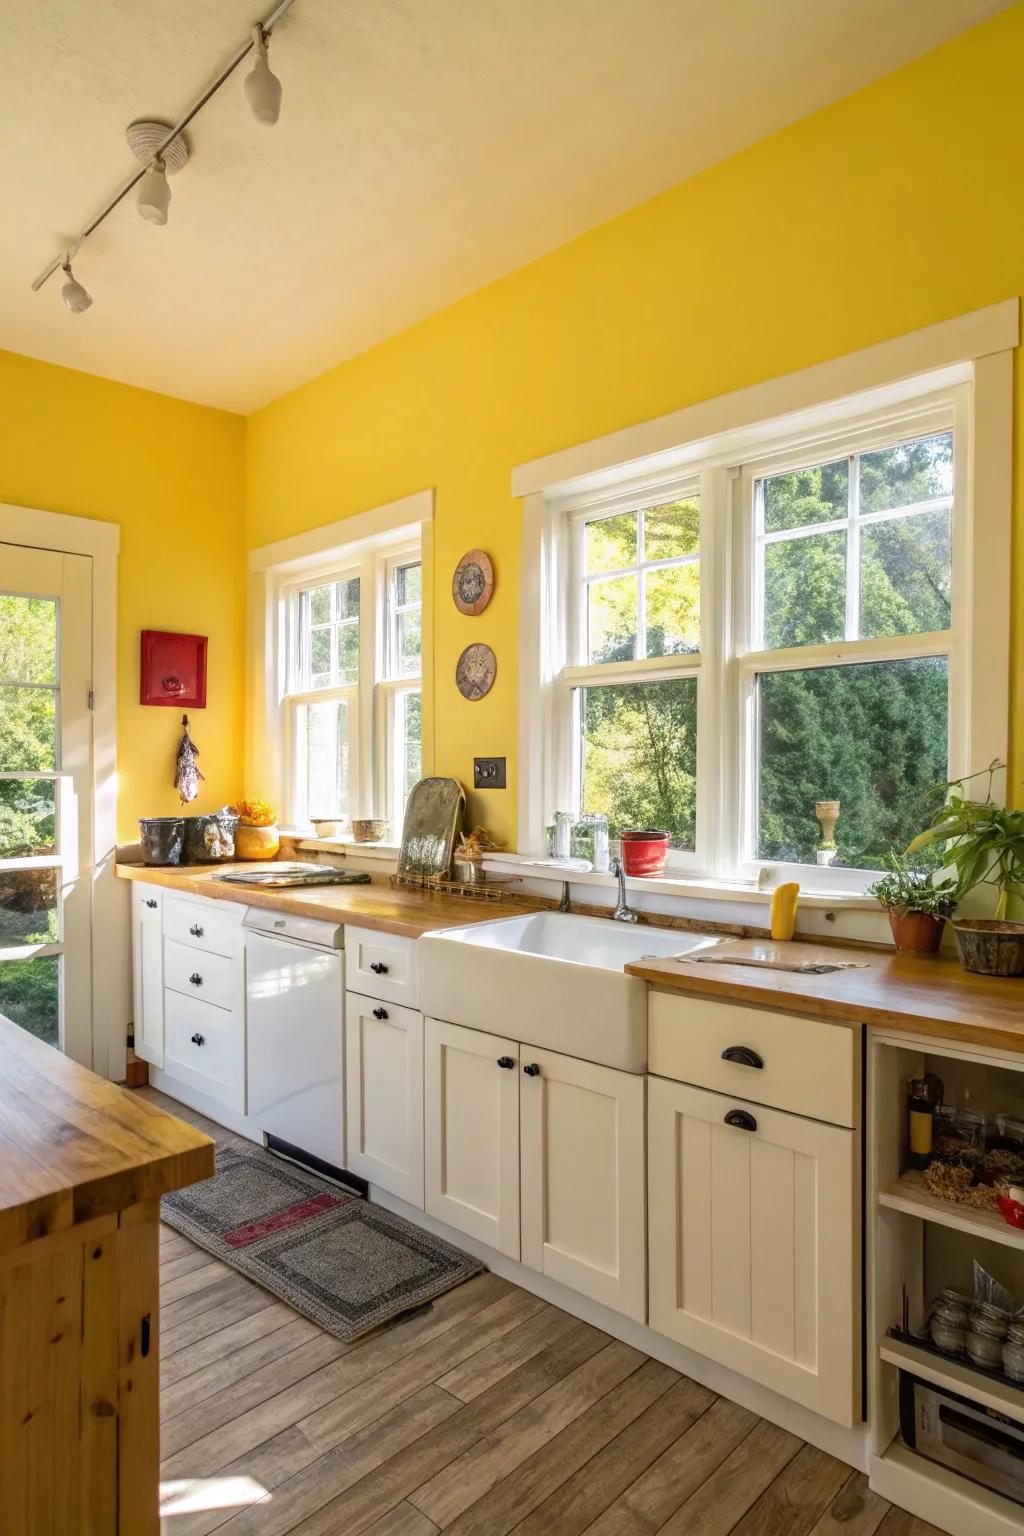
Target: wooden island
83,1164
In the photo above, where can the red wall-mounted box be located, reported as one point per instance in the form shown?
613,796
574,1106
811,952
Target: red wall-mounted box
173,669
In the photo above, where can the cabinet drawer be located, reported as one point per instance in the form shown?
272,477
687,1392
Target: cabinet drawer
380,965
806,1067
211,978
215,926
147,903
205,1046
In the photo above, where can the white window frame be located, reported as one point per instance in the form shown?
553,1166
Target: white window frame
957,373
393,687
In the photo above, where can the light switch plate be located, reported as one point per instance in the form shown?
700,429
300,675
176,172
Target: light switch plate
488,773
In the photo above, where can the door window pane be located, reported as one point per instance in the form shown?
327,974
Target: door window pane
906,568
872,736
639,756
28,730
28,639
27,817
28,907
805,496
911,472
611,543
805,591
612,619
30,995
672,602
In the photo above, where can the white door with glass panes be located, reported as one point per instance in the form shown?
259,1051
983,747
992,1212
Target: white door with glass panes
45,795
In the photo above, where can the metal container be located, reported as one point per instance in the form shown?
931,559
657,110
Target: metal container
433,818
369,830
989,946
162,839
210,839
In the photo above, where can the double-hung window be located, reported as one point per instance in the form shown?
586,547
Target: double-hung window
350,705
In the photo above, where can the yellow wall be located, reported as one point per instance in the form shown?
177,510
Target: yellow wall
894,208
172,476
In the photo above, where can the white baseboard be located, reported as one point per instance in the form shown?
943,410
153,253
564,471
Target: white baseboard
941,1496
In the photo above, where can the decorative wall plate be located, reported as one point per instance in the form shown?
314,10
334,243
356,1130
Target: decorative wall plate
473,582
475,672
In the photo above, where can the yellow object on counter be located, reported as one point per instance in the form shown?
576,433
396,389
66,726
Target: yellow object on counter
256,842
783,911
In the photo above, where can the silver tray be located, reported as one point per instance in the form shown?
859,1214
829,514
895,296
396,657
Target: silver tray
275,876
433,820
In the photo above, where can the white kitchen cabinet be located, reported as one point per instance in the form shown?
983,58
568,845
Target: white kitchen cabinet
753,1259
471,1133
582,1178
384,1095
148,973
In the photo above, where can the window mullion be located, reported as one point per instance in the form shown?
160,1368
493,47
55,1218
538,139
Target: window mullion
641,589
853,553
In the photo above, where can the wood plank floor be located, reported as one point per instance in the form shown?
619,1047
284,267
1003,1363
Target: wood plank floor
488,1413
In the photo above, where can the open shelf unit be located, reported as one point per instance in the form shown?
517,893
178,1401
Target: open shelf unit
991,1388
909,1195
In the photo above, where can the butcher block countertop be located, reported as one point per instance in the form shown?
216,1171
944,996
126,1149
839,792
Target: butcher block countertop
73,1146
912,993
405,912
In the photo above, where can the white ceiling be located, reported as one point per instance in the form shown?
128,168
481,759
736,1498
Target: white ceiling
425,147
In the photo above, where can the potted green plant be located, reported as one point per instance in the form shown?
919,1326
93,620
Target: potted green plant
916,905
984,844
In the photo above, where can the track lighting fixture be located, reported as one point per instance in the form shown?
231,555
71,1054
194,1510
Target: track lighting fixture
163,149
262,87
74,295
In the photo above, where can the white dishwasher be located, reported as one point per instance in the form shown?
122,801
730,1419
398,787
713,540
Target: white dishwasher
295,994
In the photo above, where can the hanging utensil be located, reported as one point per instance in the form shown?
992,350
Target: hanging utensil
186,772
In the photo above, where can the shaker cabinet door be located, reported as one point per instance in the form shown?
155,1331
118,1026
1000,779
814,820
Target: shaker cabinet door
148,973
582,1155
384,1095
753,1257
471,1142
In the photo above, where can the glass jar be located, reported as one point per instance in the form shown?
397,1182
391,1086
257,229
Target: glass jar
970,1128
591,831
563,834
948,1320
1013,1359
985,1338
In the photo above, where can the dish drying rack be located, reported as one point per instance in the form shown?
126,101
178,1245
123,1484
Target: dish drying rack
471,890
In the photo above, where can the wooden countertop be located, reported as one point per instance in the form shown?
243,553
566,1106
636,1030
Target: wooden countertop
379,906
913,993
73,1146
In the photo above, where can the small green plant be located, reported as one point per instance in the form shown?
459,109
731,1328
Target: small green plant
906,887
984,841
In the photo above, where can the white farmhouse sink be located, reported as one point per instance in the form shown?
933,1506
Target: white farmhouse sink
548,979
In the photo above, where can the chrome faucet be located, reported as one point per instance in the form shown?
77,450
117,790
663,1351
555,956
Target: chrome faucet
622,913
565,905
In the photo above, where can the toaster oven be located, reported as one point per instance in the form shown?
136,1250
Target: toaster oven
952,1430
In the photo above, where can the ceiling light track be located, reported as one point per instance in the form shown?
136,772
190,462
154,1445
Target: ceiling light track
263,93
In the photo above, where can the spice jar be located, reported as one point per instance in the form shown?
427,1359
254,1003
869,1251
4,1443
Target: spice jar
947,1324
1013,1359
986,1336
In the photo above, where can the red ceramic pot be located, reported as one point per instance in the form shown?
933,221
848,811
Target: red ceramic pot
916,933
643,853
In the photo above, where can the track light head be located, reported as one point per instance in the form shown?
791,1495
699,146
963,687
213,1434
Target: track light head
261,86
154,194
75,297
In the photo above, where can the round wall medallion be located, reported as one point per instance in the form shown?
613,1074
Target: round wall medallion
475,672
473,582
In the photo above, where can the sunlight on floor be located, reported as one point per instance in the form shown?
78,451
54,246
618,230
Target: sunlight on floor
189,1495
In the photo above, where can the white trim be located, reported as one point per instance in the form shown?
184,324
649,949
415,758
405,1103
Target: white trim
641,448
111,967
348,532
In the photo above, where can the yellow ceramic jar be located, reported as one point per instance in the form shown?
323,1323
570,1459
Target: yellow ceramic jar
256,842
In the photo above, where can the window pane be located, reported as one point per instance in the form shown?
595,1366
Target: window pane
320,605
612,619
28,907
872,736
28,639
323,758
348,654
408,584
805,590
673,610
672,530
908,473
30,995
640,756
611,543
905,575
320,657
409,636
28,730
348,599
804,496
412,749
27,819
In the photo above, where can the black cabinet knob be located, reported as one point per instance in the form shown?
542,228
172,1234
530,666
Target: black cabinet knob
198,1039
743,1056
151,902
196,979
507,1062
196,931
531,1069
378,968
741,1120
380,1013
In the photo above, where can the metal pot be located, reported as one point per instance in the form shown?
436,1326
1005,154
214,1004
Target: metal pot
990,946
162,839
210,839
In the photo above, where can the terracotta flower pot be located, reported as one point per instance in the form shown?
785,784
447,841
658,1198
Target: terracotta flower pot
915,933
643,853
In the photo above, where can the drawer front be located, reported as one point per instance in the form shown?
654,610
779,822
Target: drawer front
381,965
205,1046
210,925
792,1063
147,903
215,979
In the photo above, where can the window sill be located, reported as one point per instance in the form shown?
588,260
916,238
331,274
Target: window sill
346,845
677,885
